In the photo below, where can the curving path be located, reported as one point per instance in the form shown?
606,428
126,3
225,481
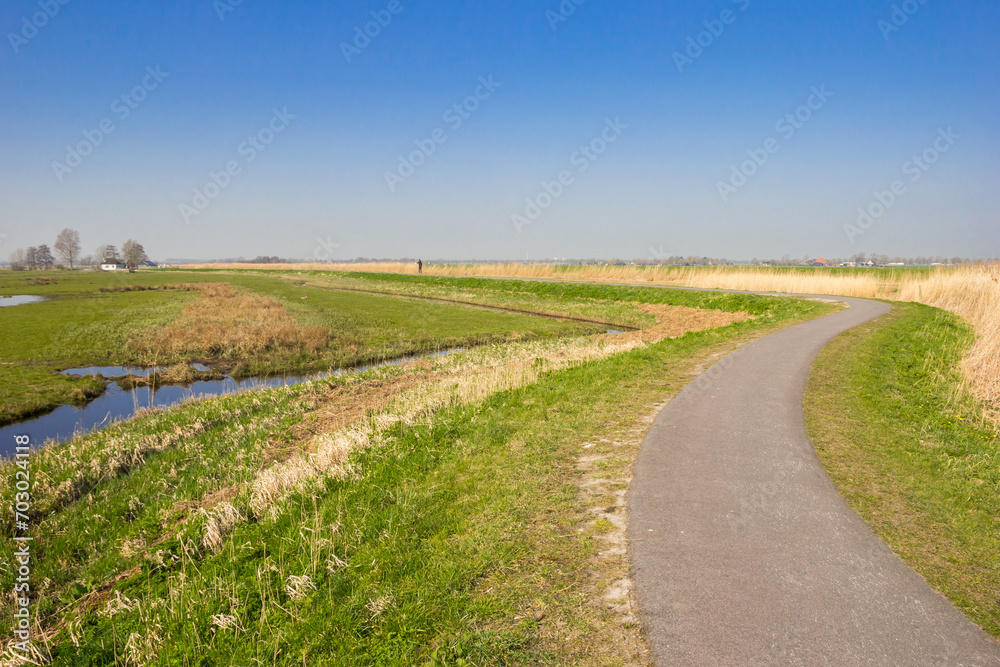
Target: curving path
744,552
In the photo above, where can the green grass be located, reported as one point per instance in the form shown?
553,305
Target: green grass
912,453
460,538
516,295
71,330
371,327
555,292
606,303
82,326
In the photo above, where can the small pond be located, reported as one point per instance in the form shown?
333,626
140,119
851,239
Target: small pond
20,300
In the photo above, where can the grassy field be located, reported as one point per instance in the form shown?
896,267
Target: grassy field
462,510
467,509
247,324
591,273
971,292
912,452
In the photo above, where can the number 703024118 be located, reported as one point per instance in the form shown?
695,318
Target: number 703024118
22,498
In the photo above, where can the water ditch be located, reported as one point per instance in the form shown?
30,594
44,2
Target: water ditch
116,403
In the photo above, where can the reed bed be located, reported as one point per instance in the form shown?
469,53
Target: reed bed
862,284
370,267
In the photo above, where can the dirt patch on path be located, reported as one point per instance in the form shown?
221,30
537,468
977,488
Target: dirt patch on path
675,321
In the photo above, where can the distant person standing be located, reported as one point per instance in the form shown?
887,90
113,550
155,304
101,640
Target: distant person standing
420,267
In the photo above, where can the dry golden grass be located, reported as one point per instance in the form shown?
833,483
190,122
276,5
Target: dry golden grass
230,323
860,284
340,405
674,321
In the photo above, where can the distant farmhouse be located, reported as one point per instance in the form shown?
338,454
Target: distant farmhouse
112,264
820,262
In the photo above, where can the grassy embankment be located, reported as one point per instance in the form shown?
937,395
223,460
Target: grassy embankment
912,452
244,324
971,292
469,508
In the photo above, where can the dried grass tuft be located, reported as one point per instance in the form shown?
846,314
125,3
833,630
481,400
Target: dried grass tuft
141,649
299,587
220,522
226,622
230,323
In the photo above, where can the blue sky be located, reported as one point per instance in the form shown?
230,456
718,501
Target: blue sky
664,145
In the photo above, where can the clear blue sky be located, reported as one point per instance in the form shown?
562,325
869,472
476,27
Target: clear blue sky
676,119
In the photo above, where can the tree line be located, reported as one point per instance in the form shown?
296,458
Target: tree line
67,247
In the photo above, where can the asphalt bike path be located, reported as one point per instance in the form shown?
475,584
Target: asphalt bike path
743,550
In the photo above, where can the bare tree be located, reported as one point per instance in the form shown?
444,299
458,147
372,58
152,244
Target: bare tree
106,252
133,253
67,245
43,257
18,262
31,258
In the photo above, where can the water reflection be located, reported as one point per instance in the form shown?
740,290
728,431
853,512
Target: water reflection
116,403
111,372
20,300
